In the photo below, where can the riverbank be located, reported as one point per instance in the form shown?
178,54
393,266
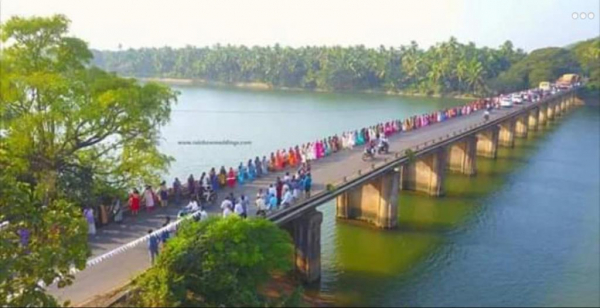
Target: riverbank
261,86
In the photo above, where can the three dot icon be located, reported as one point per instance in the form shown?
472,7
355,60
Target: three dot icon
583,15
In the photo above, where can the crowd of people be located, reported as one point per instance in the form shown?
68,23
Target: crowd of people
201,191
284,192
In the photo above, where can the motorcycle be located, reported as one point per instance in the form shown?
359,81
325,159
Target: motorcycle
209,195
368,155
486,117
383,148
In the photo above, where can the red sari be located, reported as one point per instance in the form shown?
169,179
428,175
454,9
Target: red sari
231,178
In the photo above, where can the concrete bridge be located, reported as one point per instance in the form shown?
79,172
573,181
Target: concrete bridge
370,193
366,191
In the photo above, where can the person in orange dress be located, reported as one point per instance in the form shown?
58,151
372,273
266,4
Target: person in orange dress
278,161
272,163
291,158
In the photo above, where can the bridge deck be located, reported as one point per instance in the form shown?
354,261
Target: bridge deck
117,271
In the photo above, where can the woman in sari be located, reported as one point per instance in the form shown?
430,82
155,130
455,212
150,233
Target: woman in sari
222,176
284,159
278,161
303,157
361,137
251,171
214,181
273,163
231,178
265,165
242,175
297,155
291,158
258,166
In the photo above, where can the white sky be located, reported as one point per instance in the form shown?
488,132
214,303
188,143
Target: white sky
529,24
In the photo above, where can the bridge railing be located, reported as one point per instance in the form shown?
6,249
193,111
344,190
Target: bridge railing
418,149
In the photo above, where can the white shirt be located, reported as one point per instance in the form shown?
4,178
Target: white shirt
239,209
226,204
272,190
192,206
203,215
260,204
287,198
226,212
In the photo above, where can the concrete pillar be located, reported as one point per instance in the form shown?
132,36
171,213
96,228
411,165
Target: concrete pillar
521,127
557,112
461,156
487,143
550,108
375,202
506,137
543,116
533,119
426,174
306,235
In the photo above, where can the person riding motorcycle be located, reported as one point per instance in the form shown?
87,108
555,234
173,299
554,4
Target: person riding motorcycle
370,149
486,115
384,144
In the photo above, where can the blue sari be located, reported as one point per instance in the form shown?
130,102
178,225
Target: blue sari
251,172
241,174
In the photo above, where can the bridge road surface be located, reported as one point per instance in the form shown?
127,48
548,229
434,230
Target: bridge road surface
117,271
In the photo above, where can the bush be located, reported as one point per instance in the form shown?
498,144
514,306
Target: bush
216,262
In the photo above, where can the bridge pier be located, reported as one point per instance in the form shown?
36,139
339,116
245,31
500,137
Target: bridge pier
461,156
306,235
543,116
375,202
426,174
557,110
550,110
533,119
487,143
521,127
506,137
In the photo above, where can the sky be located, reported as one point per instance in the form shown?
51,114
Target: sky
106,24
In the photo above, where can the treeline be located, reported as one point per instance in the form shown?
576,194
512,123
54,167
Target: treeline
446,68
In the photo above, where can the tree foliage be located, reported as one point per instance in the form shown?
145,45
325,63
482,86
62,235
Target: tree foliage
219,262
446,67
68,132
546,64
588,56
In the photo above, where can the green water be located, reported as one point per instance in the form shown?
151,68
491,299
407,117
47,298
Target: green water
523,232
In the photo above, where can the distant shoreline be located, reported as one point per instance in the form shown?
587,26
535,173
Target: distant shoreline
267,87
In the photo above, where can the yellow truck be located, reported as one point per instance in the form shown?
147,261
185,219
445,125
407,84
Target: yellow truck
545,85
567,80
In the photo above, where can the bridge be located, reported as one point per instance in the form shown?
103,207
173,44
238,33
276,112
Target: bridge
366,191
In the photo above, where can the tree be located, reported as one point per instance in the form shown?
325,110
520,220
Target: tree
68,131
219,262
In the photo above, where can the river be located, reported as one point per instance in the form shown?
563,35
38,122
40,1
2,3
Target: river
523,232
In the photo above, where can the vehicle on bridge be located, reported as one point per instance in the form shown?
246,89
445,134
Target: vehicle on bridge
567,81
516,98
506,102
545,86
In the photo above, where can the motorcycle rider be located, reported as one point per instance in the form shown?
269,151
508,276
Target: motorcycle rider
370,149
384,143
